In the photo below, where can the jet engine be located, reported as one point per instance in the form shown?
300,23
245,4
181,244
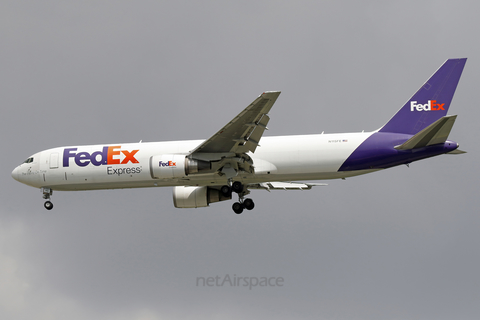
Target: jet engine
196,197
170,166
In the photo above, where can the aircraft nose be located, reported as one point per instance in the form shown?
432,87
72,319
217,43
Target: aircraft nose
15,174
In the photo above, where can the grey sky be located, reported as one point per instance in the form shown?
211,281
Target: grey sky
398,244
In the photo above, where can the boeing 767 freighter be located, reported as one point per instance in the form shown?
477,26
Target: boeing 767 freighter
237,159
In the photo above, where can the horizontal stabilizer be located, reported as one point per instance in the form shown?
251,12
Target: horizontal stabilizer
435,133
456,151
285,185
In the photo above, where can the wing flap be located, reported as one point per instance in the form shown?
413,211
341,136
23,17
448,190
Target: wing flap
255,134
285,185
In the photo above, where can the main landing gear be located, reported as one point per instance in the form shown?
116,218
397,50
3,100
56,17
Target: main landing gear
47,192
242,203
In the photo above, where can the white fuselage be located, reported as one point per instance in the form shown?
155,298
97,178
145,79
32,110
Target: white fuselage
281,158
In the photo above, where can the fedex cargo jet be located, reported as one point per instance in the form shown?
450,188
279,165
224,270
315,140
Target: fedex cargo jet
237,159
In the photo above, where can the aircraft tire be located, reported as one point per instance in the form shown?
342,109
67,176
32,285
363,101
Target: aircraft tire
237,187
248,204
237,207
48,205
226,191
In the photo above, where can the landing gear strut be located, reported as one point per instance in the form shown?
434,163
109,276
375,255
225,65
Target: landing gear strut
47,192
242,203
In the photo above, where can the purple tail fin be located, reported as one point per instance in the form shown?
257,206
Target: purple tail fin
430,102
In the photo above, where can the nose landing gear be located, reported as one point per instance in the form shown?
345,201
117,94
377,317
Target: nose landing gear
47,192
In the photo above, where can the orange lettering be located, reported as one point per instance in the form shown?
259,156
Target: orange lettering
112,153
129,156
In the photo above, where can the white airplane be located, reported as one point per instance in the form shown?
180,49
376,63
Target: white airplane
233,159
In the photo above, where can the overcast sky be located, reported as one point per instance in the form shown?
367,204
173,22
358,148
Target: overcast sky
398,244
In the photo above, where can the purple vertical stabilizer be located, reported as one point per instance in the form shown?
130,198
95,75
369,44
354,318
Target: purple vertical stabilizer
430,102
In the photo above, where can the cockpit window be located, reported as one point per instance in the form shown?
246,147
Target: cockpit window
29,160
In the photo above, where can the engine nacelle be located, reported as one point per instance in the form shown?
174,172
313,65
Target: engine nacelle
196,197
170,166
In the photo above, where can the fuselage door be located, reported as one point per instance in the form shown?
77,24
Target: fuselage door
53,160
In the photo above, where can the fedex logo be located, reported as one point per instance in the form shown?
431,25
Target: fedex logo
167,164
108,155
431,105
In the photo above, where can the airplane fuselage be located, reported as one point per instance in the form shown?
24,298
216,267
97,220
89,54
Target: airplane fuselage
282,158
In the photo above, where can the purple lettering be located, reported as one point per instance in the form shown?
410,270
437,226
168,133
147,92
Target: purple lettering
103,157
98,158
82,156
67,155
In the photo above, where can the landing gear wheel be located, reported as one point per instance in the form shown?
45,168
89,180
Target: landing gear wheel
48,205
237,207
226,191
248,204
237,187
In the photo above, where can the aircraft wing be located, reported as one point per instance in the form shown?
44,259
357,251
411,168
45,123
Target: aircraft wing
243,133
